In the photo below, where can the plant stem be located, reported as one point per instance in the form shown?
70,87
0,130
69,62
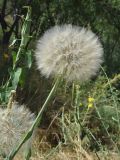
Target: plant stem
24,39
35,123
114,100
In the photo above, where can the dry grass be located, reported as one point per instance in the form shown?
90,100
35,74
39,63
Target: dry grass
42,150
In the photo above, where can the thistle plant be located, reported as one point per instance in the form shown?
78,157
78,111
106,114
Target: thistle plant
14,123
66,52
71,51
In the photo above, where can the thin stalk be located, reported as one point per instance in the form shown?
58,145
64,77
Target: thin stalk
105,128
116,107
36,122
73,92
85,115
90,135
76,101
24,39
63,126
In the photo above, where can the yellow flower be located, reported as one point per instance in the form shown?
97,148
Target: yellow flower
90,105
91,100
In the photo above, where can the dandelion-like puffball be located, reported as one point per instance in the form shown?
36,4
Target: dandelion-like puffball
71,51
13,126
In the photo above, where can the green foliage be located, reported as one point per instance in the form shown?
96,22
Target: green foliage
16,71
109,116
97,126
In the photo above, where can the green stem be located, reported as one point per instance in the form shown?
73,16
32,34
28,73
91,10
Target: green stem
106,130
24,39
114,100
36,122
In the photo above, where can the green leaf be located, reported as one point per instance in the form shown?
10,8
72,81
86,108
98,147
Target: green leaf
5,94
16,78
29,59
23,76
14,57
28,154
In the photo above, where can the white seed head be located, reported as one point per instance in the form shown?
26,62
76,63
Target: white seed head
72,51
13,126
